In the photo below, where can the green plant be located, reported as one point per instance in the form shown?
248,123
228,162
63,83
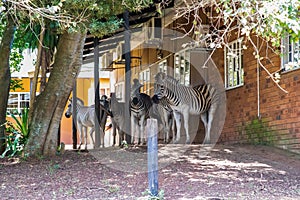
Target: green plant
17,134
259,133
159,196
124,144
52,168
113,189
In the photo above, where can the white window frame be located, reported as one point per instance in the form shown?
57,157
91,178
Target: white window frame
120,91
290,50
233,64
19,108
144,78
182,66
163,66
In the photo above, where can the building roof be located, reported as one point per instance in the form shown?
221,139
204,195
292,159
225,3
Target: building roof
107,43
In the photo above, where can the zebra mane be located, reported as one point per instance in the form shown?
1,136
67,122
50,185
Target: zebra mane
172,80
162,77
79,101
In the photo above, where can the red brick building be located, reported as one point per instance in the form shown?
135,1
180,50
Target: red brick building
257,110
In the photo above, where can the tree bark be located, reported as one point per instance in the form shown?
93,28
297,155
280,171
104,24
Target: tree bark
49,105
5,48
36,71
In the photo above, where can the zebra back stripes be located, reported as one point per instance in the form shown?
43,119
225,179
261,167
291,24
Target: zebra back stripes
187,100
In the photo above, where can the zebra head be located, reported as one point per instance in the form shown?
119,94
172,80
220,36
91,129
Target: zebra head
135,91
68,112
159,86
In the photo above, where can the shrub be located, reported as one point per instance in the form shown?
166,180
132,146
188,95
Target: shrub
17,134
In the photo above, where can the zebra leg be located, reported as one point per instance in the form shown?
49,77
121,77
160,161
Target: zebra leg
142,130
114,132
102,134
134,130
211,113
84,130
121,137
91,134
166,127
173,126
80,134
205,122
186,126
177,118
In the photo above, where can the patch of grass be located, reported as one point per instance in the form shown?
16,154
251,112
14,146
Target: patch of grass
159,196
52,168
113,189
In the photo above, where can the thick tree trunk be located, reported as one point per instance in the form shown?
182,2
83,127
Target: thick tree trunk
5,47
49,106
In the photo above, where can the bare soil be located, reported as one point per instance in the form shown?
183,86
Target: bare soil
185,172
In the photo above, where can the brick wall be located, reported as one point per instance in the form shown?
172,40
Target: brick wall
279,113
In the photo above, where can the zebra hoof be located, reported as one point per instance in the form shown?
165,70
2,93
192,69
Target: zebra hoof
176,142
206,142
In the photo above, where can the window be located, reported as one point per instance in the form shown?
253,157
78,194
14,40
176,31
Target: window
234,72
120,91
17,101
145,80
162,66
182,67
290,54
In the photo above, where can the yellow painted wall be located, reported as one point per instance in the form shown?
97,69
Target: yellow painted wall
25,84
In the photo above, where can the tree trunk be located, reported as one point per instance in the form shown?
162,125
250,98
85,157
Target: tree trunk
36,71
49,105
5,47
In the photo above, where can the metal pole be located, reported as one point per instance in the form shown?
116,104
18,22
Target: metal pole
127,37
74,114
97,96
152,155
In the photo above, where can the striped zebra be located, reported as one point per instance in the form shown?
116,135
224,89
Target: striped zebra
140,105
86,118
198,100
118,118
166,117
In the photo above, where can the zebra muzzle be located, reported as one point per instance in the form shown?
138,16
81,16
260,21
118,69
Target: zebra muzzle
155,99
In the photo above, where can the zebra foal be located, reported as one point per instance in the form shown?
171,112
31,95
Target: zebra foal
140,105
86,118
198,100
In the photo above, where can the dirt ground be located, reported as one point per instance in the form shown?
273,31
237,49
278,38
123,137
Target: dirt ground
185,172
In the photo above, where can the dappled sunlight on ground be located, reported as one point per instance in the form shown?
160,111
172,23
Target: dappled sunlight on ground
186,172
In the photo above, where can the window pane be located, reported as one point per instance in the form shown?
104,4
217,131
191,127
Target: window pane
234,68
290,52
182,67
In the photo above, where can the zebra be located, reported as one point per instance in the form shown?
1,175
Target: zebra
199,100
140,105
118,118
165,117
86,118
